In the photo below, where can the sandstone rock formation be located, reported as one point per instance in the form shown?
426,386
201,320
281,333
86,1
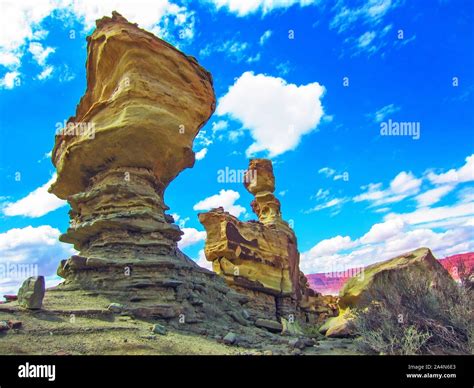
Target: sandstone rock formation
260,259
358,291
31,293
132,134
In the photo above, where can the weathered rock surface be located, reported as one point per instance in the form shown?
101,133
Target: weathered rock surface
31,293
261,259
358,291
132,134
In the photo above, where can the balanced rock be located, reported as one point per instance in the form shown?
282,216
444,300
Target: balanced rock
131,135
31,293
260,259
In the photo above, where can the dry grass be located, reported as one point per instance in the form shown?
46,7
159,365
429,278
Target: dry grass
412,317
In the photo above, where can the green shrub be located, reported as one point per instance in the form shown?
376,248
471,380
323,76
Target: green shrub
407,314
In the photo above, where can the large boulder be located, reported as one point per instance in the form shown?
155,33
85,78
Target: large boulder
31,293
357,291
365,288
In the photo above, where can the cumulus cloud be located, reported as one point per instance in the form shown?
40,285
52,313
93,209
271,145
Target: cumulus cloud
201,154
276,113
202,261
432,196
454,176
446,230
10,80
36,204
25,23
30,251
246,7
382,242
190,237
332,245
405,184
383,231
225,199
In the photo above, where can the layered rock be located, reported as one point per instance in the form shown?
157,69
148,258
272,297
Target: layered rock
260,259
132,134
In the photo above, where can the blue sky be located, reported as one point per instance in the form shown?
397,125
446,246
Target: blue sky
307,83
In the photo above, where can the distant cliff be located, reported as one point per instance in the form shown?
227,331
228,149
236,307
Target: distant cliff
330,283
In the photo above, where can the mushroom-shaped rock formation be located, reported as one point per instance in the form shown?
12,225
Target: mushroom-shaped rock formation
261,259
131,136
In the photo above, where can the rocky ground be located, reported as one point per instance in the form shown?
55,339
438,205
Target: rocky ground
91,328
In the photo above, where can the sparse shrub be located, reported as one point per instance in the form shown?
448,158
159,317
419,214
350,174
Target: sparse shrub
407,314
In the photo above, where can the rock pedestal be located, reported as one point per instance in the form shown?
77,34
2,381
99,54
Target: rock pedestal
132,134
260,259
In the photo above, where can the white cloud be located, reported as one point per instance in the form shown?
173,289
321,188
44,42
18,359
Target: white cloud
201,154
432,196
440,213
219,125
321,194
30,251
202,261
455,176
46,73
10,80
25,22
405,184
234,49
332,245
265,36
382,243
36,204
190,237
327,171
384,112
39,53
365,39
383,231
246,7
276,113
335,202
370,12
446,230
225,199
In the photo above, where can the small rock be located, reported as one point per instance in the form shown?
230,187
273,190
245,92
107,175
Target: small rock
148,337
31,293
296,343
296,352
272,326
4,326
159,329
230,338
245,314
14,324
115,308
